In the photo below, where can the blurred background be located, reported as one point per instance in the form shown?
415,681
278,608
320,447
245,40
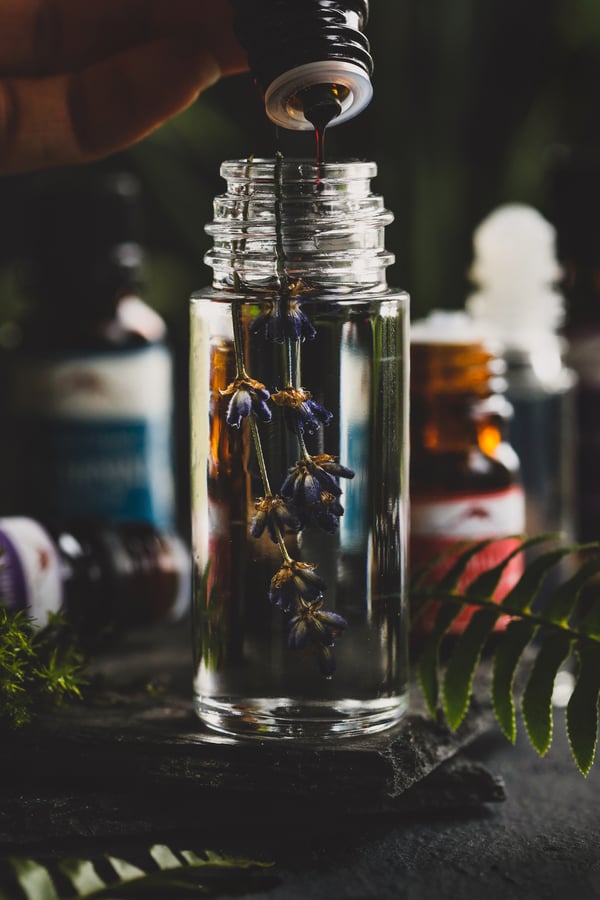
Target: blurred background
475,104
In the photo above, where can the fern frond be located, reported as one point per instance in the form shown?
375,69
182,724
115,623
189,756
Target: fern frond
550,625
170,873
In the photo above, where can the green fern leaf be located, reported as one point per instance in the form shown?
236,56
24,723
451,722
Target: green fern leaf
525,591
209,874
82,875
460,671
421,577
582,709
486,583
448,583
164,857
428,661
217,860
536,704
34,879
590,624
125,870
509,651
560,606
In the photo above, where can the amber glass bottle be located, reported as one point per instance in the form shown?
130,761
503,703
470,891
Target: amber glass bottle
464,476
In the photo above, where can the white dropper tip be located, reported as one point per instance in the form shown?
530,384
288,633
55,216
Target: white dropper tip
516,269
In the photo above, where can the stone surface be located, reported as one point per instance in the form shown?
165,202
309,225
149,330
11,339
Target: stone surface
134,759
435,840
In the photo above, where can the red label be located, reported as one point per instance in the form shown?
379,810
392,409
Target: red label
438,524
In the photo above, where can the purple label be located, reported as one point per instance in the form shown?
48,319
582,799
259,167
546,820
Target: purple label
13,590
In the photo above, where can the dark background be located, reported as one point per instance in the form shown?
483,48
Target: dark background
474,104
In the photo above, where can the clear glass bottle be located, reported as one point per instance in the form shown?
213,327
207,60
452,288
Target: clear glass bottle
464,475
298,347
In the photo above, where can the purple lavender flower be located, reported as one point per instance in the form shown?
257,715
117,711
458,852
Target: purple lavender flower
276,515
311,486
298,325
247,396
314,624
332,466
283,319
302,413
293,582
316,629
304,483
326,513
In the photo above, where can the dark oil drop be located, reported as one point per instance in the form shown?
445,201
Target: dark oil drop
321,103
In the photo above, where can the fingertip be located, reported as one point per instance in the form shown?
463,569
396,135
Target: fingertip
72,119
120,101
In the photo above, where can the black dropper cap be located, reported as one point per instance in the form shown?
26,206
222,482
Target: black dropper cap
294,45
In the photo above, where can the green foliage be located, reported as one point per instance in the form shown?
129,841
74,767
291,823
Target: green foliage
165,873
547,628
38,668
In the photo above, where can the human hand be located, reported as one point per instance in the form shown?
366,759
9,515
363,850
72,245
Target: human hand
80,79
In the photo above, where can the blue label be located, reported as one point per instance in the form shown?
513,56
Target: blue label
97,433
121,470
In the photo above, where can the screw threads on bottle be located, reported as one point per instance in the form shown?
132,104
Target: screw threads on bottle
293,46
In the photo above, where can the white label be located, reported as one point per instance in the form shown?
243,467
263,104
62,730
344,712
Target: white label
101,434
471,516
136,384
40,566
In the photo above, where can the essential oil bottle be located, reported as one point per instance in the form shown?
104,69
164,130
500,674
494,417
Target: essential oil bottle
310,59
464,476
518,303
299,411
107,578
92,387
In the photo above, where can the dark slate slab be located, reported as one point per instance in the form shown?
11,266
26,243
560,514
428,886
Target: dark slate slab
135,759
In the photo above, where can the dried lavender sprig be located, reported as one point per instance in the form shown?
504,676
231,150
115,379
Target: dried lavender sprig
295,587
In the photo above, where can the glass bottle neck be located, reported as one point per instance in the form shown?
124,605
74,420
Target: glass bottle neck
285,222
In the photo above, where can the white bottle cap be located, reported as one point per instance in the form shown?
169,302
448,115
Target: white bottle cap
515,267
290,83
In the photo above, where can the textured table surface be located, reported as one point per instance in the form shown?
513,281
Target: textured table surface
409,813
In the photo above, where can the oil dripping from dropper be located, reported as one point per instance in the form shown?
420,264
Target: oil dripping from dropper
321,104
